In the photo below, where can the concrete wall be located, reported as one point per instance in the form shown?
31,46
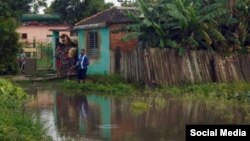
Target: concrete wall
100,65
38,32
109,43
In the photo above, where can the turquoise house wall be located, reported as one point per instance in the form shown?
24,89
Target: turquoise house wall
102,64
106,114
55,35
81,41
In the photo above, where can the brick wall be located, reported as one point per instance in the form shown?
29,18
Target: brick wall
115,39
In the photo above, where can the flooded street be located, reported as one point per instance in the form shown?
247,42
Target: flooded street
138,118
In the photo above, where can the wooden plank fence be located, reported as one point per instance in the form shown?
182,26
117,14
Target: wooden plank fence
165,66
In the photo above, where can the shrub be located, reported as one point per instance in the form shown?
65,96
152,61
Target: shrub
14,124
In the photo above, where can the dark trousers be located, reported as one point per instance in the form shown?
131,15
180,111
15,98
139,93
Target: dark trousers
82,73
21,66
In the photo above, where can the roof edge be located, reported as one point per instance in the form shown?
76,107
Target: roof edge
125,8
115,7
91,26
77,24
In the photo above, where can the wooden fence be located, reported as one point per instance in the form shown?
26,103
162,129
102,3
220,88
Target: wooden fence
165,66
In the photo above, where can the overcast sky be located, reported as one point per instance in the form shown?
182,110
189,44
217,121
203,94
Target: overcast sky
116,3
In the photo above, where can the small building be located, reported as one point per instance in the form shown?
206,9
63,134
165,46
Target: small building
36,29
96,35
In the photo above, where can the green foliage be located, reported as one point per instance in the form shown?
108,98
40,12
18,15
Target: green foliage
14,8
139,107
10,13
102,84
18,126
46,59
36,4
106,79
8,38
14,124
143,104
238,91
73,11
237,27
192,24
8,45
10,95
19,7
128,3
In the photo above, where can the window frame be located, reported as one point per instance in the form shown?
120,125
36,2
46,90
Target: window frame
24,36
88,48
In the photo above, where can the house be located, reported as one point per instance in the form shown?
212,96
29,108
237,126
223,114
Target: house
36,29
102,45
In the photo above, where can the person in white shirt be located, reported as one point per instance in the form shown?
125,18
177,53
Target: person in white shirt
22,60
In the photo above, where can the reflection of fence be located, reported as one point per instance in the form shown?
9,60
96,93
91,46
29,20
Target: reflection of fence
165,66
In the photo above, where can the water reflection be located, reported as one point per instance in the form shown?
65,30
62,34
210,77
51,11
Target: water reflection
100,118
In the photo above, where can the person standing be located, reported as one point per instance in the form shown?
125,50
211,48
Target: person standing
82,66
22,61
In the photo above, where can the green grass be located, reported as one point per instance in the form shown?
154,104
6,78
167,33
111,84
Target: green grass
15,125
115,84
139,107
238,91
44,63
103,84
222,99
106,79
103,88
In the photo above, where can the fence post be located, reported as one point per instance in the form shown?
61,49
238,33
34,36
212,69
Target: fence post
55,36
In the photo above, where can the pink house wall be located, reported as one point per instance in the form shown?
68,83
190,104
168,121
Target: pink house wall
39,32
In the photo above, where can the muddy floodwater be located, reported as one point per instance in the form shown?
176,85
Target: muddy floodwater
94,117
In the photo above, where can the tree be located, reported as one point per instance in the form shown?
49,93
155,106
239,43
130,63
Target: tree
18,7
208,24
73,11
36,4
237,32
10,13
8,40
128,3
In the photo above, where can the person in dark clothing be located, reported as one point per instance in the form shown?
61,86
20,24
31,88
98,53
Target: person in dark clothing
82,66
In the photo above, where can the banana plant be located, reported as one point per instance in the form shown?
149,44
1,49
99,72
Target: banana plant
194,24
145,25
209,24
237,34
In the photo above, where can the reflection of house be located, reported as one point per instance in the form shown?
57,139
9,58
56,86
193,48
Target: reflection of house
35,29
82,116
41,98
101,44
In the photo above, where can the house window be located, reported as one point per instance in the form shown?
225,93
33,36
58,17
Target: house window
28,54
24,35
93,44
